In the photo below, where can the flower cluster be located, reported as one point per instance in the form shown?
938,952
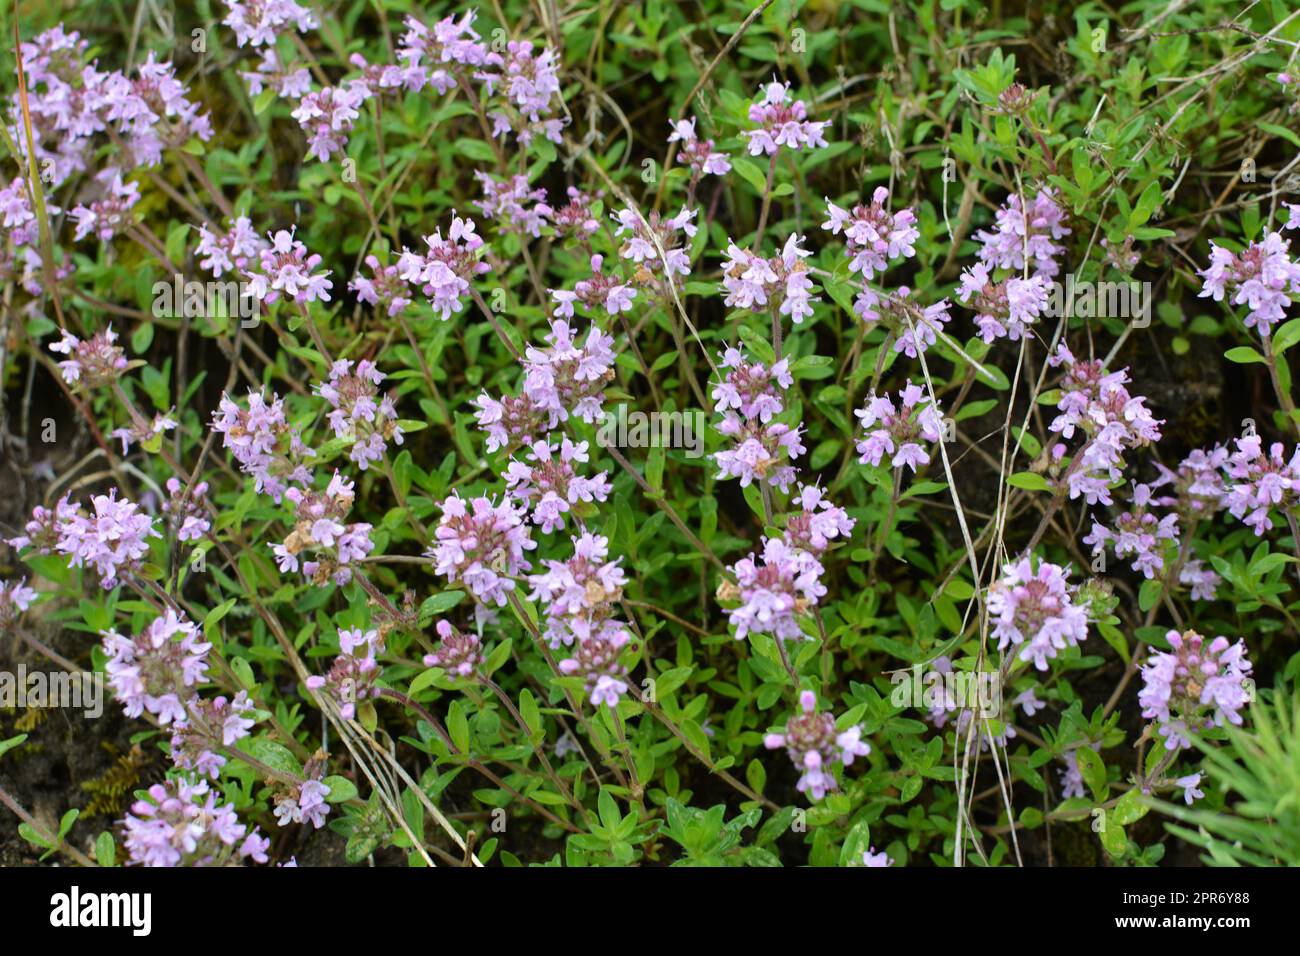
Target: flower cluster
147,433
529,83
444,272
815,745
749,398
873,236
352,676
232,250
206,723
181,824
898,430
1023,237
547,486
781,121
1262,278
259,22
601,290
359,414
817,522
386,289
285,268
93,362
1098,404
646,236
186,509
781,282
319,529
1138,532
1261,481
566,378
482,546
263,442
326,117
1004,309
458,653
157,670
697,153
579,594
272,75
1034,610
439,56
914,327
773,590
306,801
508,201
1195,686
111,538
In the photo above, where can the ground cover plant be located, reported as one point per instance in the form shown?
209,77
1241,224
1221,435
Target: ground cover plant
574,432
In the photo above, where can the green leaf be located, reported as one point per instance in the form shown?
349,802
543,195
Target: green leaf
105,849
500,654
1243,355
1029,480
1093,770
341,789
11,743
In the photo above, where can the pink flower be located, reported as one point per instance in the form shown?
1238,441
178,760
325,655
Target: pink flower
1004,309
158,670
107,216
753,282
749,398
230,251
580,595
445,271
873,235
507,202
815,745
352,676
359,413
92,363
286,268
697,153
782,121
817,523
1263,278
897,431
549,485
1034,611
482,545
320,530
1019,236
773,590
602,290
458,653
915,327
112,539
264,443
259,22
181,824
1196,686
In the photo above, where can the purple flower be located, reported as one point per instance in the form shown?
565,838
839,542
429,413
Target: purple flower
580,594
259,22
230,251
444,272
386,290
1190,785
575,218
15,598
439,56
782,282
181,824
207,725
360,414
916,327
264,443
113,538
697,153
602,290
285,268
271,74
872,234
529,83
1263,278
566,378
782,121
482,545
157,670
1138,532
326,117
458,653
549,486
1195,686
1018,234
352,676
815,745
897,431
1003,309
186,510
813,527
871,858
92,363
596,661
646,237
508,201
1098,404
320,530
1262,481
1034,611
749,398
149,434
773,590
